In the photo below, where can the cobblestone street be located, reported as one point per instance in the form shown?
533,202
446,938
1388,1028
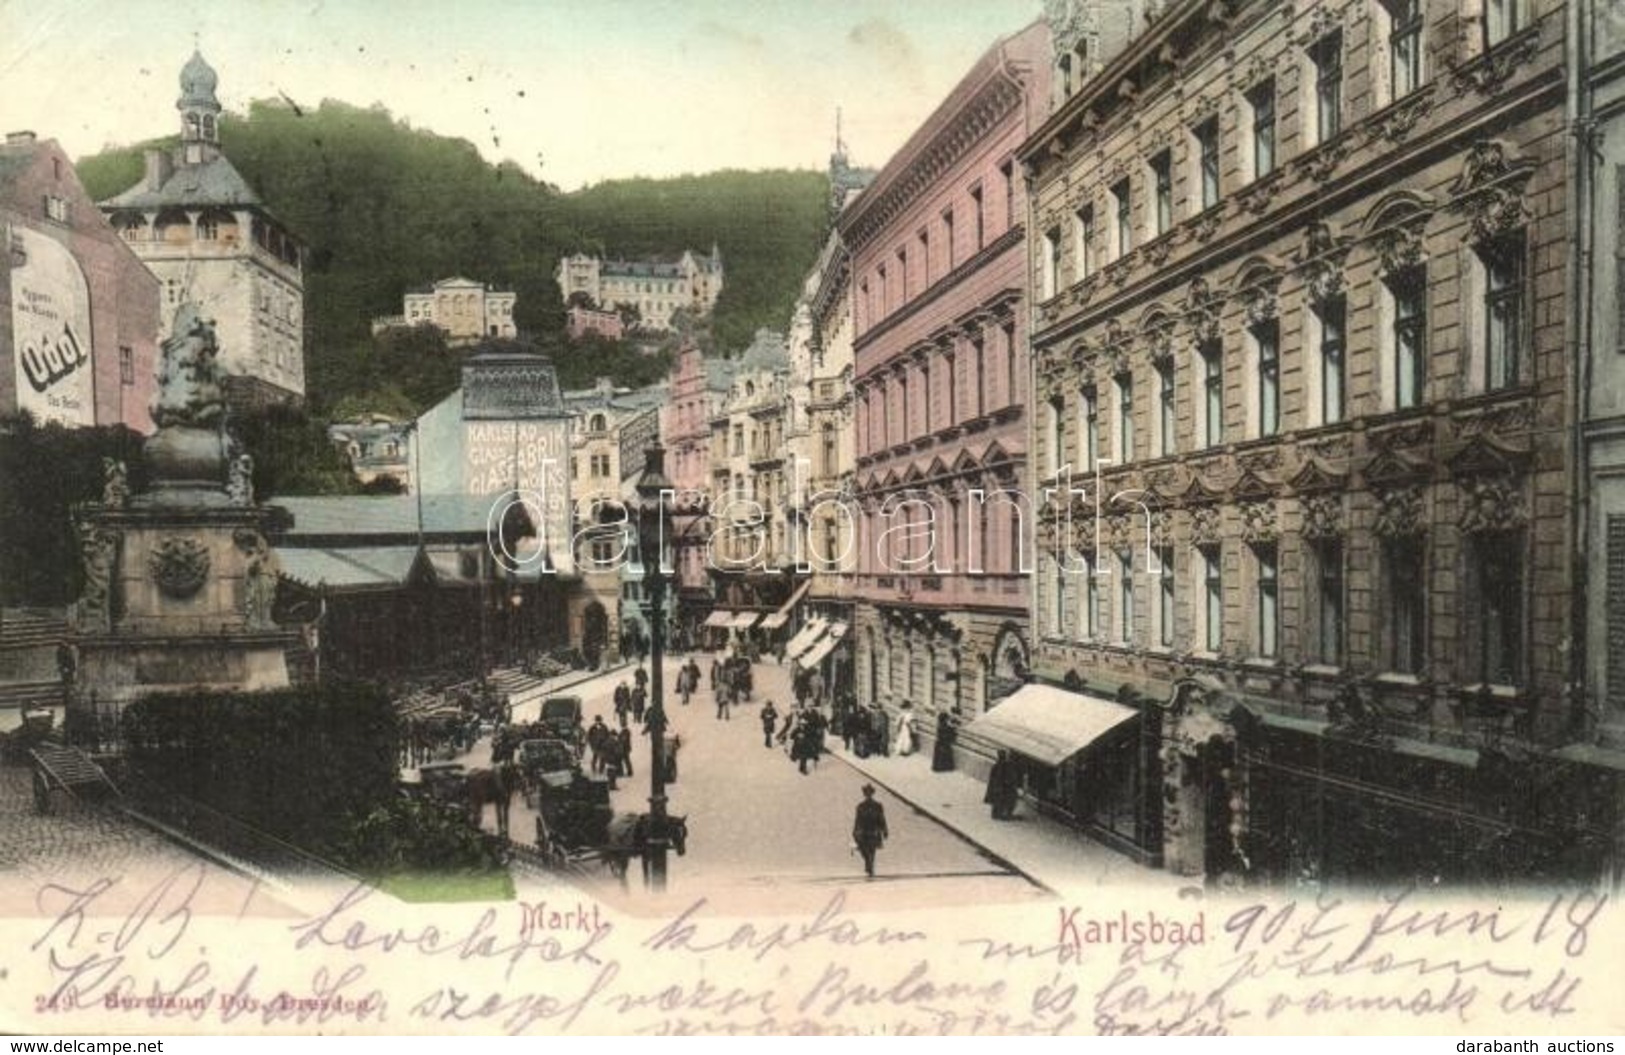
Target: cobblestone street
78,845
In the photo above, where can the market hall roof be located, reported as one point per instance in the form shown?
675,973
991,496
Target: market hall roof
387,517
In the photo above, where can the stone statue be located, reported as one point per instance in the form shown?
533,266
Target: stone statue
115,484
240,479
189,392
98,552
259,579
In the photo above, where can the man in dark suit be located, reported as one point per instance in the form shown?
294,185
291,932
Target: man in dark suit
869,828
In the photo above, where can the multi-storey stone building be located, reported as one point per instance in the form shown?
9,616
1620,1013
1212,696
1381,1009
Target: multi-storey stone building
751,563
610,429
1597,79
938,280
466,311
1302,394
210,239
818,506
696,387
656,288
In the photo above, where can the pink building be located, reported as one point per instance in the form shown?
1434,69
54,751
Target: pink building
580,321
697,386
939,285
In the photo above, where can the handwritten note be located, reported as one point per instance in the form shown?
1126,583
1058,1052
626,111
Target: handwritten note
115,954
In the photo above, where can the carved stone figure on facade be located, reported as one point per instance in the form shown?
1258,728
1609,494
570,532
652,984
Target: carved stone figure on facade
259,579
98,555
115,484
240,479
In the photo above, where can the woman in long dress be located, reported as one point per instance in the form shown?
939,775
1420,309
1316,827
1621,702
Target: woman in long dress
905,732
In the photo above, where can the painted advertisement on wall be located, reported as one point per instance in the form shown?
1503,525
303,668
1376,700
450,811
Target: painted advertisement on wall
532,457
50,325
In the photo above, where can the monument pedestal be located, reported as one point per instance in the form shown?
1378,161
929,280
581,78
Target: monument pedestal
178,599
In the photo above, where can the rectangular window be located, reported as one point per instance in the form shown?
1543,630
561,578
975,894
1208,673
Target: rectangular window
1012,379
1056,411
1503,312
1213,391
1089,423
1333,347
1262,101
1007,176
1328,582
126,365
1268,338
1125,419
1054,622
1269,600
1327,55
1404,586
885,290
1496,611
1091,600
1502,18
1404,46
925,258
1409,290
902,276
1085,227
1125,227
948,237
1207,153
1162,178
979,349
1165,597
1125,587
1212,598
952,396
1050,264
981,216
1165,406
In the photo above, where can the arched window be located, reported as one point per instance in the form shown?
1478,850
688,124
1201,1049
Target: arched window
596,424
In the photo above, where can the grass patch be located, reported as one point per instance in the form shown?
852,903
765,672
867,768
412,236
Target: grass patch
431,887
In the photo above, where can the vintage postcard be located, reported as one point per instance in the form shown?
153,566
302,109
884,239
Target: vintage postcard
1015,517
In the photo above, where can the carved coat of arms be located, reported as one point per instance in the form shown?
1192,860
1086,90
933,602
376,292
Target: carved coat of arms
179,566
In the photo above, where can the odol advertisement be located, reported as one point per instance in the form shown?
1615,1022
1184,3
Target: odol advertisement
50,321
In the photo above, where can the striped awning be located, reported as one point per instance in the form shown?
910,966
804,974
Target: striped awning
805,638
821,648
1049,724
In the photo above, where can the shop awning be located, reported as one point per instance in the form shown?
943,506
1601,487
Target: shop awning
804,638
821,648
1048,724
719,618
745,620
1590,755
773,620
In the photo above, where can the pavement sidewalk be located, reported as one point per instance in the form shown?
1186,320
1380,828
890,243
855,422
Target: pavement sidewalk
1043,849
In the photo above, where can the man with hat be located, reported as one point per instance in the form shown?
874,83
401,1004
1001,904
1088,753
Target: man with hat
869,828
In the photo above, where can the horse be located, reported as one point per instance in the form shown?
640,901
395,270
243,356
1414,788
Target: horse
495,786
629,836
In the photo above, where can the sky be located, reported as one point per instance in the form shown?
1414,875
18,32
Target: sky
575,92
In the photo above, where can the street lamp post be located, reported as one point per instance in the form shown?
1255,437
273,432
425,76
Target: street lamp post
653,491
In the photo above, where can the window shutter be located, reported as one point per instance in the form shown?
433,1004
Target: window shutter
1615,684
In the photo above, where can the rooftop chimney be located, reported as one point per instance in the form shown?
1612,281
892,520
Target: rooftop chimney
159,168
19,137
